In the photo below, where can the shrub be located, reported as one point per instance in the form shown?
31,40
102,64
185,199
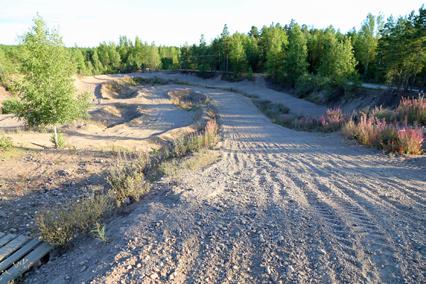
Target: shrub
127,182
61,140
332,120
59,226
11,106
389,140
375,132
383,113
411,140
308,84
187,99
5,143
412,110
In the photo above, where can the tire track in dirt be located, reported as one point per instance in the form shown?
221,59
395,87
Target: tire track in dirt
280,207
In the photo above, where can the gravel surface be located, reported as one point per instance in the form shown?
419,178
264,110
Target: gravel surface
280,207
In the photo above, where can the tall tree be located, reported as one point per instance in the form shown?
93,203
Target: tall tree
237,56
402,49
276,39
366,40
46,90
296,59
338,61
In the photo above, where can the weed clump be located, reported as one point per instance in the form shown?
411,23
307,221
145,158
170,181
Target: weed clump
59,226
378,133
61,140
6,143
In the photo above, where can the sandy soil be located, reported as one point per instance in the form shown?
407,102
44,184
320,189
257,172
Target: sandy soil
115,122
280,207
256,88
34,176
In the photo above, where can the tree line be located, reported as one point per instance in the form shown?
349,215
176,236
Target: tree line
292,55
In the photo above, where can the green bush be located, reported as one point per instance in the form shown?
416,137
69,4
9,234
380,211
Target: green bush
10,106
61,140
308,84
5,143
127,182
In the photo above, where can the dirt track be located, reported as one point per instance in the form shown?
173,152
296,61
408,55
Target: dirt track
280,206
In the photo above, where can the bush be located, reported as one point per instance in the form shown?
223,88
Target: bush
378,133
11,106
127,181
5,143
187,99
332,120
308,84
412,110
59,226
61,140
411,140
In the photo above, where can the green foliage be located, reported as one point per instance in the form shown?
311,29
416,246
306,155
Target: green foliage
337,61
61,140
5,143
237,56
12,105
46,90
61,225
277,41
365,43
309,84
296,59
402,50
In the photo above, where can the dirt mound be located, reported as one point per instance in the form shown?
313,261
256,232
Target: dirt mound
187,98
118,90
114,114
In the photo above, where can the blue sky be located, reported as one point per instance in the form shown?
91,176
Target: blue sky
89,22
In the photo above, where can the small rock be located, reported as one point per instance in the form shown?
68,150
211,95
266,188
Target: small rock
154,276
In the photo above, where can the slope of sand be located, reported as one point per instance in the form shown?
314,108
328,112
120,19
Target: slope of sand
115,122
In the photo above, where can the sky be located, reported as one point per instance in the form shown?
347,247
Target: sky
86,23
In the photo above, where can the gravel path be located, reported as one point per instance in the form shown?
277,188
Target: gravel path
280,207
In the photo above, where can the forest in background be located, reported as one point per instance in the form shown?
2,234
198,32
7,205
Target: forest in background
307,59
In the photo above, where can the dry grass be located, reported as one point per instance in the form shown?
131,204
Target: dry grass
174,168
127,181
127,184
378,133
59,226
187,99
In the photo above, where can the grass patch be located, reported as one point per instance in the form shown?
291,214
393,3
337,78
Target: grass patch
6,143
187,99
174,168
59,226
278,113
391,138
148,81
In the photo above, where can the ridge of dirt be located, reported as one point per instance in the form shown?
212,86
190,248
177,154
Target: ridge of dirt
281,206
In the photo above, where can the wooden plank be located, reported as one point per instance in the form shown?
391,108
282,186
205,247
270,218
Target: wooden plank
4,240
25,264
17,255
12,246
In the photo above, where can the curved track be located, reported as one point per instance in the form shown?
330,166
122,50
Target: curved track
280,206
